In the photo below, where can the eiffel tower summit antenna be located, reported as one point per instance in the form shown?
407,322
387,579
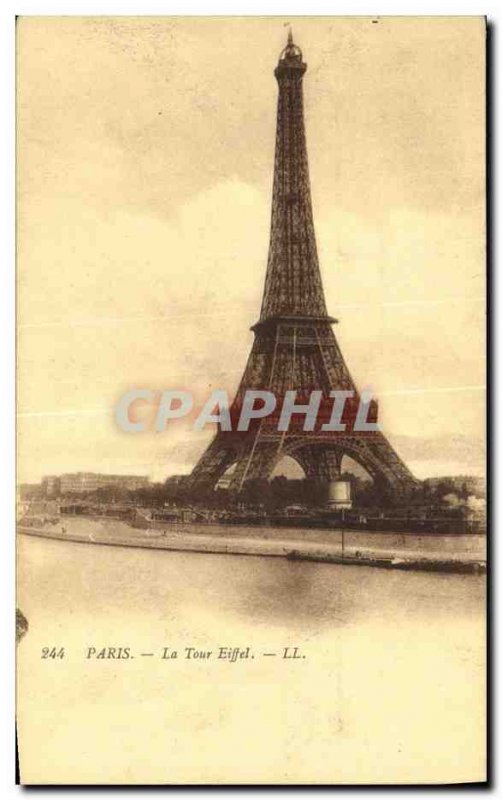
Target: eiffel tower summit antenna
294,346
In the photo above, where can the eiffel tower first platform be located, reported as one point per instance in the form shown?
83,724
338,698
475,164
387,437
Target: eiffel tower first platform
294,345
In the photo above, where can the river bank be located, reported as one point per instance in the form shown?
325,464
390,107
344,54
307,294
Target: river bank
358,548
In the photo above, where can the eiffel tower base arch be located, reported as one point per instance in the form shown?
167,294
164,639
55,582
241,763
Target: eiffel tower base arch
321,462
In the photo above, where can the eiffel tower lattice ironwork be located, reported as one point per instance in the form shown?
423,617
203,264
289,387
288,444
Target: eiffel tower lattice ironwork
294,345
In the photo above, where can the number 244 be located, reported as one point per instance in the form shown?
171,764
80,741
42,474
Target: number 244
52,652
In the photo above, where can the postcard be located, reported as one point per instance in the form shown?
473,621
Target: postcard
251,371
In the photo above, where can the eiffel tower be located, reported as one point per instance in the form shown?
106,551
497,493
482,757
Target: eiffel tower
294,345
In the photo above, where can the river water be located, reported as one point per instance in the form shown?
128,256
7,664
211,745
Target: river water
388,684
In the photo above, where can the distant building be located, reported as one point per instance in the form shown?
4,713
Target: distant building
29,491
51,486
79,482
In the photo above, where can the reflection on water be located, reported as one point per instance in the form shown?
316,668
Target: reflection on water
392,682
258,590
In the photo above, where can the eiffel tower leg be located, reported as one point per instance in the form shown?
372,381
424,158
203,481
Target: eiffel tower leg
218,457
392,468
257,461
378,457
253,460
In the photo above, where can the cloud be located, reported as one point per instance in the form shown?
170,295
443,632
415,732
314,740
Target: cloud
145,177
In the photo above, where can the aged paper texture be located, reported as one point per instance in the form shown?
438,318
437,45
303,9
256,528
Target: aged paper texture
242,593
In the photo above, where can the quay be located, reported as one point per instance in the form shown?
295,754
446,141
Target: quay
440,552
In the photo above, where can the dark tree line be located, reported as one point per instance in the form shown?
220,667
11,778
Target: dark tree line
278,493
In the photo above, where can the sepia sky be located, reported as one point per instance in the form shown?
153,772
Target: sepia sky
145,160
